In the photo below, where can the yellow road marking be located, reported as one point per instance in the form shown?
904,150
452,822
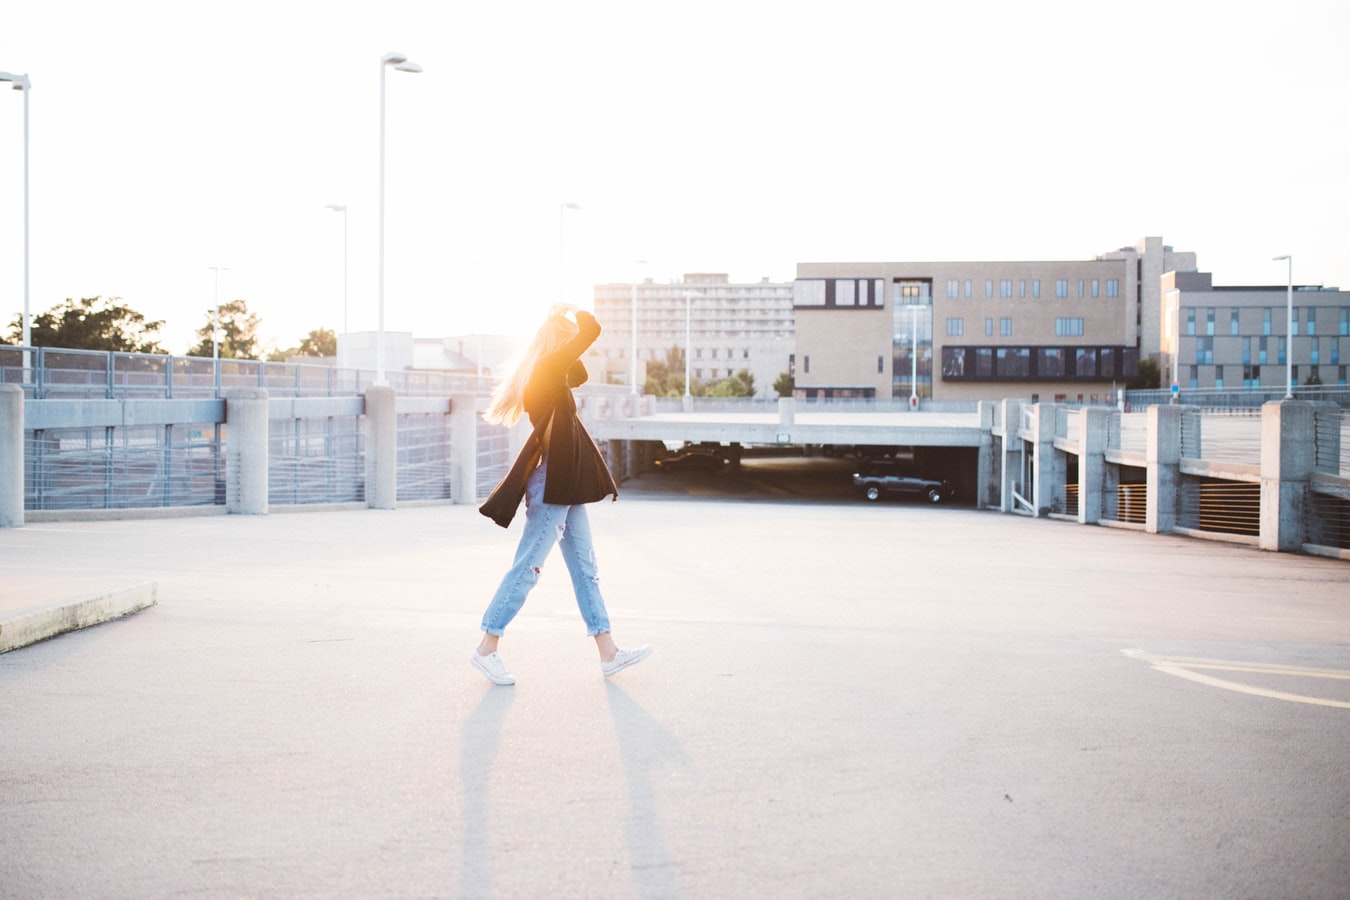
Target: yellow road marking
1184,667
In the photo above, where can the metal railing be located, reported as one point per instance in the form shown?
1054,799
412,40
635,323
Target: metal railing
1221,399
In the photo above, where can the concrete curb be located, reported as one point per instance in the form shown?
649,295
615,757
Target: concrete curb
29,628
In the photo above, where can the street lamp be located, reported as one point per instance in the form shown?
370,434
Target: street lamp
215,317
688,340
21,83
914,353
400,64
562,215
633,362
342,208
1288,329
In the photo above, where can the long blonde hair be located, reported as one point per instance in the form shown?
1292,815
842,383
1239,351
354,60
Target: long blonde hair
508,398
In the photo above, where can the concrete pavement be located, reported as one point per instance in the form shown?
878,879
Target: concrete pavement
845,700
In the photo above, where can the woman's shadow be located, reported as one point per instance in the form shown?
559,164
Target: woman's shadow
648,750
479,739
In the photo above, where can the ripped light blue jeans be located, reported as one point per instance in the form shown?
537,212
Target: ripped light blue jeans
547,524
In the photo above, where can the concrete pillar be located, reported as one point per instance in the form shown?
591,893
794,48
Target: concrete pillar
1010,463
985,474
1049,469
787,412
464,448
1164,468
381,447
1288,457
11,456
246,462
1094,432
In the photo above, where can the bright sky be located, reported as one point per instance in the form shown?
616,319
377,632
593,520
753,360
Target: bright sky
738,136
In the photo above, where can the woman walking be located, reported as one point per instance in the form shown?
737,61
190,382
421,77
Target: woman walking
558,471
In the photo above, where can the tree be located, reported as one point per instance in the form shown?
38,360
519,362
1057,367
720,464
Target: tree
1149,377
319,342
784,385
92,323
666,378
238,332
742,384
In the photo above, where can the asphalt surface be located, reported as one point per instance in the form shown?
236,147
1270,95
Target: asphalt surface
846,700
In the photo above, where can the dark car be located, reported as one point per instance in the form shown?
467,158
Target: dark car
692,460
875,479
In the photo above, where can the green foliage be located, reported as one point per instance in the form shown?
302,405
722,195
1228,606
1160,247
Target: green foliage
238,332
742,384
1149,378
320,342
93,323
784,385
665,378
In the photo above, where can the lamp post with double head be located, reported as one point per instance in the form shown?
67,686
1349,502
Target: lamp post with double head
21,83
400,64
1288,328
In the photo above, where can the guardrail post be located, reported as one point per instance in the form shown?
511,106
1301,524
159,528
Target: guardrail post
1164,468
463,448
1288,457
246,467
381,447
11,456
1093,436
1010,462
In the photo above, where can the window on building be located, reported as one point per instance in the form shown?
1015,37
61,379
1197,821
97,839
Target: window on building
953,289
1113,287
1021,289
1209,321
881,365
966,289
1280,358
989,327
1036,288
1293,321
1005,288
1265,320
1246,351
1005,326
1251,376
1013,362
955,327
1195,376
1315,357
1335,352
806,364
1190,322
1069,326
1081,293
1050,362
989,289
1234,325
1061,288
1261,351
1096,289
1345,321
1310,316
1204,351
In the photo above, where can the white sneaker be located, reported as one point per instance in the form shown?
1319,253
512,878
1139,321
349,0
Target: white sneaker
625,658
492,667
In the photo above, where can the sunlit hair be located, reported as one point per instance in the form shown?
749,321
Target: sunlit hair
508,398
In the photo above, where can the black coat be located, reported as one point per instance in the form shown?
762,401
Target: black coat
576,471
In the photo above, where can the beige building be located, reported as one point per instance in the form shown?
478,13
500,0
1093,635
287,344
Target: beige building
723,326
1228,337
1050,330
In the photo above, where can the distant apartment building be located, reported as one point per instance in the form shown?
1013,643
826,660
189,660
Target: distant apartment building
1227,337
1049,330
724,327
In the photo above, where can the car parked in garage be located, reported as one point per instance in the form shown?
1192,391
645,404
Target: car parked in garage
875,479
692,459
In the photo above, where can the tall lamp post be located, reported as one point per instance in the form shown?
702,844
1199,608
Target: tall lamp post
562,245
400,64
342,208
633,360
1288,329
914,353
21,83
